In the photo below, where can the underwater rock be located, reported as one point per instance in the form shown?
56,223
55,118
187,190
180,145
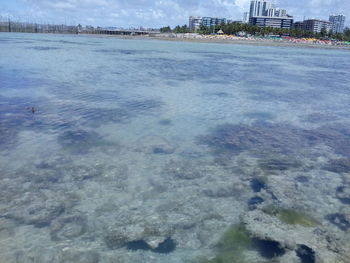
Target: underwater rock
68,227
306,254
268,248
257,184
223,191
340,220
282,164
343,194
116,239
79,141
37,212
254,202
266,227
338,166
165,247
136,235
155,145
302,179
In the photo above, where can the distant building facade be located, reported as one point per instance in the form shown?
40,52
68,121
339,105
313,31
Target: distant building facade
195,22
213,21
298,25
275,22
263,13
260,8
338,22
317,25
245,18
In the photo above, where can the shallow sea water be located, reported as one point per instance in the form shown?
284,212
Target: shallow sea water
150,151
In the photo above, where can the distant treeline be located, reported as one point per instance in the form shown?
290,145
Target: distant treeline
8,25
237,28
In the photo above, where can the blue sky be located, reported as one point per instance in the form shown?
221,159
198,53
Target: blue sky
153,13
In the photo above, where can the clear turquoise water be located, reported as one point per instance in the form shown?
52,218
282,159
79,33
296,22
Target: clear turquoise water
155,141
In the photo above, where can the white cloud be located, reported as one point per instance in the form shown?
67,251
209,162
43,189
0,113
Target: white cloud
155,13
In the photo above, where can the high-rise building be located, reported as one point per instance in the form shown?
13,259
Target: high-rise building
317,25
338,22
245,17
280,12
264,13
260,8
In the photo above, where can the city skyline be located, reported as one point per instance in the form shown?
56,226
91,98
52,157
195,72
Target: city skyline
147,13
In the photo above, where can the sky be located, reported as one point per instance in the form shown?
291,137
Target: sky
154,13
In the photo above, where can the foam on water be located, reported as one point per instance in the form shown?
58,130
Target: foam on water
148,151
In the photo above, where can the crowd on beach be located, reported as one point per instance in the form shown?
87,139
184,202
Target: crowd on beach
275,39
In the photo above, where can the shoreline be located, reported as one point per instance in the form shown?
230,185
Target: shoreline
236,41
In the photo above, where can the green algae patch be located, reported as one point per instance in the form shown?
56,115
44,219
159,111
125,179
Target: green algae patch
236,238
231,246
291,217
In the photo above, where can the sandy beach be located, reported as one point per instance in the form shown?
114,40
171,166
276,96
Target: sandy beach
226,39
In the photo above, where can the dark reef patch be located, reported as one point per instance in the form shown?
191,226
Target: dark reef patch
79,141
263,139
302,179
137,245
254,202
339,220
257,185
306,254
338,166
42,48
166,247
268,249
343,194
279,165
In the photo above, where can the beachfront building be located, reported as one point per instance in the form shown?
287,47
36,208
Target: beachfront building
263,13
298,25
317,25
275,22
213,21
195,22
338,22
